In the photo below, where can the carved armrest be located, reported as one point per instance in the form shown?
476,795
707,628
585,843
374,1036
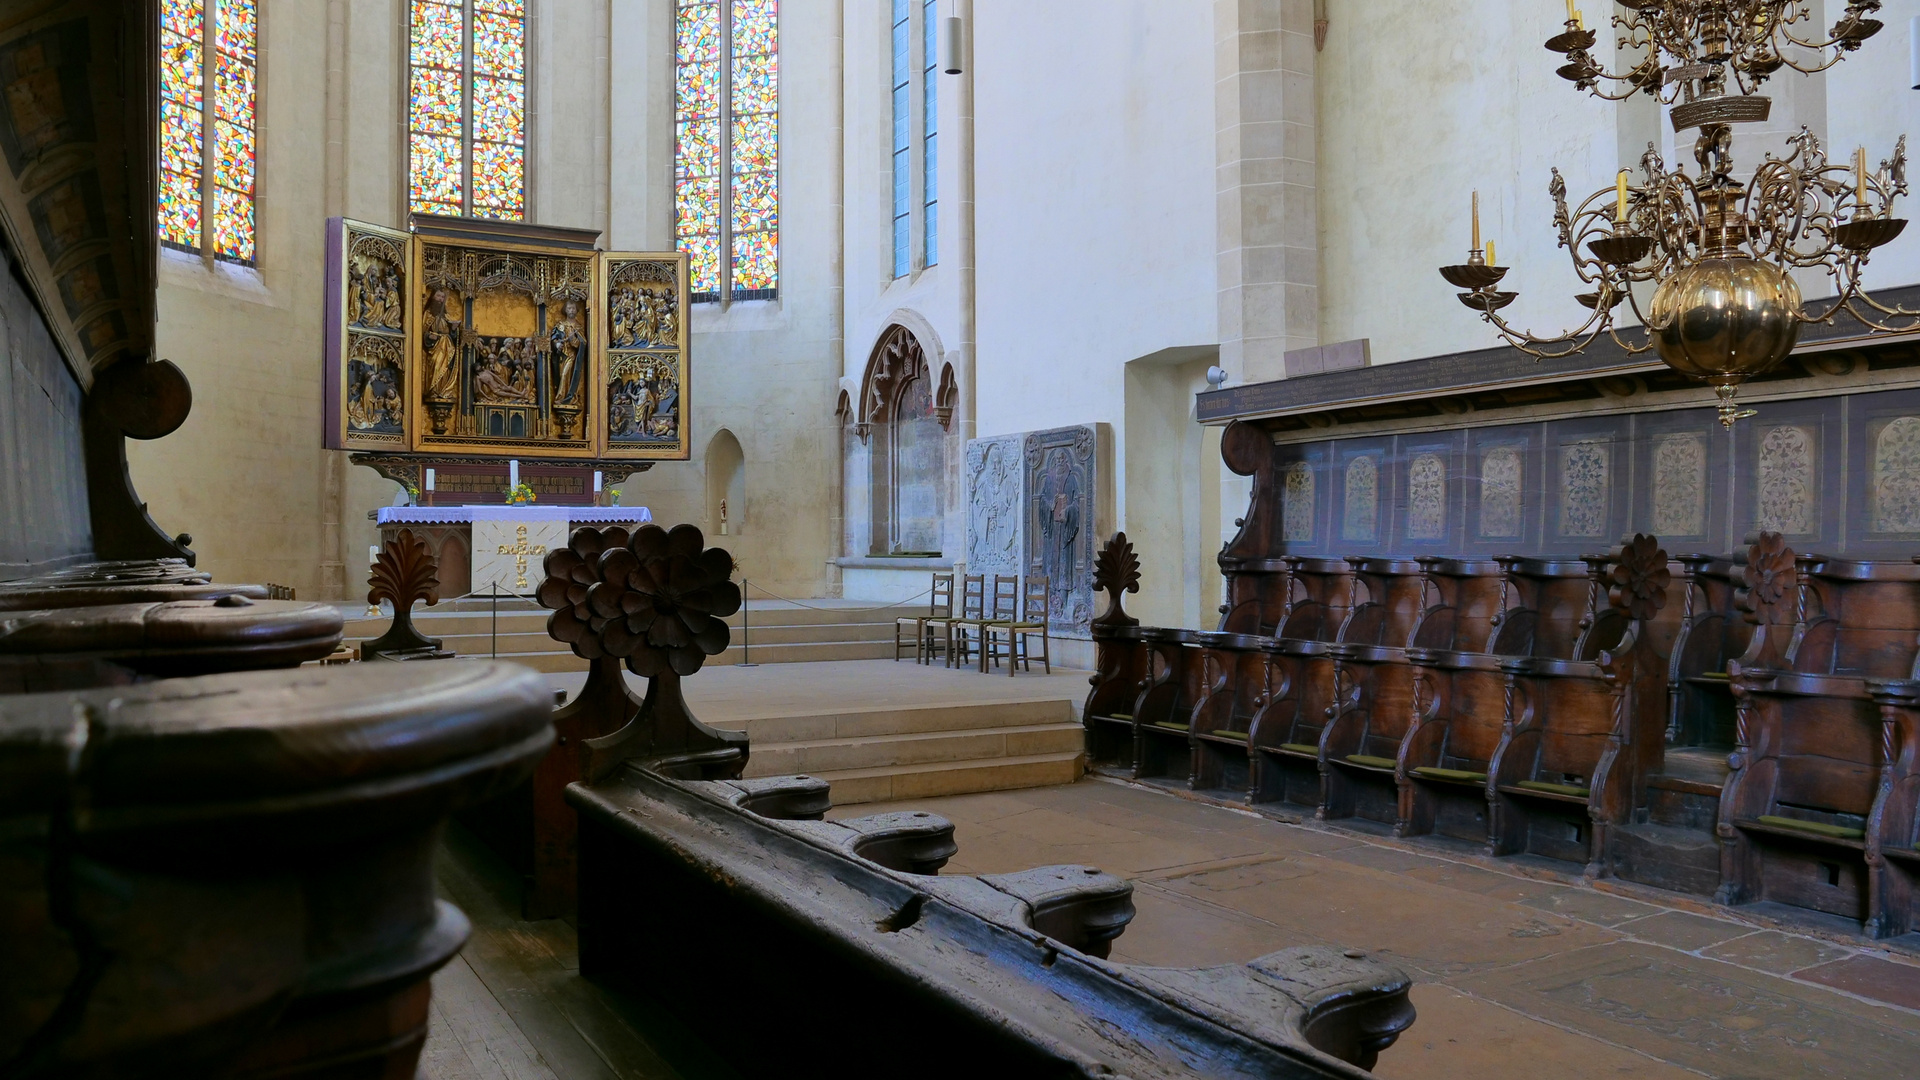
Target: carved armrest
1078,906
174,638
783,798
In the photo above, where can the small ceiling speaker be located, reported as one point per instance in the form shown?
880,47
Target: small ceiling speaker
950,51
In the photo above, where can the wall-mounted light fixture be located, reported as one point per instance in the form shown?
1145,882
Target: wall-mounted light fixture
950,50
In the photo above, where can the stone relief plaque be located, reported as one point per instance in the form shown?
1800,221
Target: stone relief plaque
1059,492
1501,475
366,343
1895,479
1360,519
647,336
994,473
1786,480
1680,485
1586,486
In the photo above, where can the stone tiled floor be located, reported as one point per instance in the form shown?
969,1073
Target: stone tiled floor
1517,974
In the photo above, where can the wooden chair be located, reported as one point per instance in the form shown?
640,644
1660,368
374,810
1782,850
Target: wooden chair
1371,719
973,602
972,632
1037,598
939,610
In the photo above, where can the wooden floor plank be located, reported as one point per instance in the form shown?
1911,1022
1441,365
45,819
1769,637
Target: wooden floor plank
471,1037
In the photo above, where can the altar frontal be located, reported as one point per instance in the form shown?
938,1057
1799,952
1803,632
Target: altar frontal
503,339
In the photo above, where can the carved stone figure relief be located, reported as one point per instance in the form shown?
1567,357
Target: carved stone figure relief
1501,475
1786,478
1896,476
1060,487
993,504
1296,515
1361,518
1427,497
1586,486
1680,485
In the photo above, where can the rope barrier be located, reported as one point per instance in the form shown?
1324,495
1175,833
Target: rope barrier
745,583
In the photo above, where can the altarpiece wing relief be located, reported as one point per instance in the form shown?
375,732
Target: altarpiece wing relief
503,340
646,354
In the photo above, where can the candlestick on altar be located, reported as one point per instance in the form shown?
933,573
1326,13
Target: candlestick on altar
429,479
513,472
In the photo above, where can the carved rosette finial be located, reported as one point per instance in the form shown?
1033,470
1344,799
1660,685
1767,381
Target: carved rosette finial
572,571
661,600
1637,582
1116,570
1770,577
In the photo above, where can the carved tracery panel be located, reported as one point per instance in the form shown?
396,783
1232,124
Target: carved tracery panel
906,414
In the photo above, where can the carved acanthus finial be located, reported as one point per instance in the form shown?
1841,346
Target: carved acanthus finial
1117,571
405,571
1637,583
1770,577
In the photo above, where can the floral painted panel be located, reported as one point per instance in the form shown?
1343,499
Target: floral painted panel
1427,497
1787,503
1362,516
1896,476
1296,515
1680,485
1585,485
1501,472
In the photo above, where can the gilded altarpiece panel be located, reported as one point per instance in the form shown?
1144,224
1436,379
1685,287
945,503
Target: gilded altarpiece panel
646,374
369,320
502,350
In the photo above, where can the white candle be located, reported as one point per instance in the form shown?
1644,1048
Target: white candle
429,479
596,481
373,554
513,472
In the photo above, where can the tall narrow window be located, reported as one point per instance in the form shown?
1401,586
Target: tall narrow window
727,146
207,63
930,121
902,144
467,108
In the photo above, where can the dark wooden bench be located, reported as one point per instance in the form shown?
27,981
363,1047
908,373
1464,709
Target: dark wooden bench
1284,737
116,644
1163,713
1373,702
121,582
1458,700
1893,825
1234,672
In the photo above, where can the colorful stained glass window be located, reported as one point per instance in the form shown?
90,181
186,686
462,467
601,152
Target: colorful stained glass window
207,145
467,108
727,146
930,129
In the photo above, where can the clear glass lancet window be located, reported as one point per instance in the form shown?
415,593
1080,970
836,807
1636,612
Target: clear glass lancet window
902,144
930,127
467,108
727,146
207,65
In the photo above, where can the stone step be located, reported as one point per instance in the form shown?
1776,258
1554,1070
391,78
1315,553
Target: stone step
853,786
824,756
533,641
438,624
828,725
561,659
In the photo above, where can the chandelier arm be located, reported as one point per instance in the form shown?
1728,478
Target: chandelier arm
1533,344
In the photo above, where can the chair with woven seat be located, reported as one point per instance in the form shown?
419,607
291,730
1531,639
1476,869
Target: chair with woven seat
999,609
973,600
1036,599
939,609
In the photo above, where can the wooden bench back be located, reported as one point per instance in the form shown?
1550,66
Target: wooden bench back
1860,619
1459,601
1318,594
1384,603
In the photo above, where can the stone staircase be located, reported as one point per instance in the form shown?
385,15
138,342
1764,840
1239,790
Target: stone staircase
780,632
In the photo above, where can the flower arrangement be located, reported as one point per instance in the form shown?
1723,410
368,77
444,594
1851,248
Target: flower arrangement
521,495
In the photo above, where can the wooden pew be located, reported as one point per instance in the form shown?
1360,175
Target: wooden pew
1893,825
1710,633
1163,713
1373,704
1120,659
1234,673
1458,700
1815,749
1284,736
118,582
1582,733
117,644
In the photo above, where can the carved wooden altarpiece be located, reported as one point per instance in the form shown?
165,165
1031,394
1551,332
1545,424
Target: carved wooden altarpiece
499,340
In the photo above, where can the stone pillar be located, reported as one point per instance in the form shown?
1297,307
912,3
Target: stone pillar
1268,223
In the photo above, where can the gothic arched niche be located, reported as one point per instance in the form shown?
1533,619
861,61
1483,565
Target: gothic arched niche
904,413
726,468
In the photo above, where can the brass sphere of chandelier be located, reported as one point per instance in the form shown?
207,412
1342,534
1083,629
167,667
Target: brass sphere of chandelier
1720,252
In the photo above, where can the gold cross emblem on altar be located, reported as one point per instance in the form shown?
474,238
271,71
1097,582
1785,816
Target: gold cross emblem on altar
520,549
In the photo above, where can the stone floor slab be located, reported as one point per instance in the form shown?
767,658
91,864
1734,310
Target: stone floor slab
1683,930
1870,977
1603,909
1462,1036
1771,950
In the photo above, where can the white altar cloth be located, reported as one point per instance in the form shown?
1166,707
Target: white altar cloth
466,515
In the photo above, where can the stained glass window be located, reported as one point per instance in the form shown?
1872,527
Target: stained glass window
727,146
207,145
902,143
930,126
467,108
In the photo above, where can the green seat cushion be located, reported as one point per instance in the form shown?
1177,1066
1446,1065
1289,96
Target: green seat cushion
1572,790
1434,772
1170,725
1240,736
1838,832
1300,748
1123,716
1371,761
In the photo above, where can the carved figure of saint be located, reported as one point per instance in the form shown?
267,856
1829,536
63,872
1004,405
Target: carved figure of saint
568,337
395,313
667,322
356,293
498,377
438,345
1059,521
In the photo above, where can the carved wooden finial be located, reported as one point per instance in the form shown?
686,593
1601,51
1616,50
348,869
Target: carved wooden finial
405,571
1637,583
1770,577
1117,571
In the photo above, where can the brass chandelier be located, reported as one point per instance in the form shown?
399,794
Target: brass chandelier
1725,306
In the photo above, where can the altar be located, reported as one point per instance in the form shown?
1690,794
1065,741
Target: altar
480,547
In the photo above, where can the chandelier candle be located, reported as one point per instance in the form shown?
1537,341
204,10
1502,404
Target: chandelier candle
1620,196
